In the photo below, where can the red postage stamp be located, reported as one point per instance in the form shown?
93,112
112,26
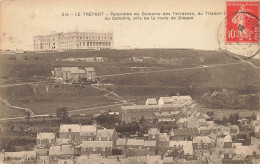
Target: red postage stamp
242,22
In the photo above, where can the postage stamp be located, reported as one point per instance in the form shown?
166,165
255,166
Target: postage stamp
242,23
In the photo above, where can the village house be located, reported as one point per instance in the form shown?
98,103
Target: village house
42,156
163,143
139,147
151,101
23,157
182,123
165,110
88,132
183,134
77,133
96,147
74,74
153,134
95,159
45,140
148,112
70,131
136,147
66,153
107,135
121,144
202,144
186,146
63,141
168,116
180,100
228,150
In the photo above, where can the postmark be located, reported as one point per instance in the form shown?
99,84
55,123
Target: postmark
238,35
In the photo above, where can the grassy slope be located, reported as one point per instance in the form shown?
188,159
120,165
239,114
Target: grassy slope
241,77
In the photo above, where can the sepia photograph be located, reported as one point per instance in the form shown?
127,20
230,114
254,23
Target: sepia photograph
129,82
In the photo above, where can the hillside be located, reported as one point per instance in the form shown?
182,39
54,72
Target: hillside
30,64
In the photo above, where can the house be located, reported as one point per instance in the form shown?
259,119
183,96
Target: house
95,159
64,152
165,100
163,143
167,116
256,144
96,147
63,141
202,144
139,147
88,132
23,157
151,101
107,135
183,134
186,146
153,134
131,114
227,142
233,130
256,127
204,130
70,131
45,140
42,156
74,74
121,143
136,112
182,123
180,100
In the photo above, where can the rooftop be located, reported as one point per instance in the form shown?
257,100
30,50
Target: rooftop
121,141
102,144
202,139
185,132
135,142
48,136
70,128
105,132
153,131
61,150
151,101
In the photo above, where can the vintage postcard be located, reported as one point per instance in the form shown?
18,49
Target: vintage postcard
129,82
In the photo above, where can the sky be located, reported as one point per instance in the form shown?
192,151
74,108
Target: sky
21,19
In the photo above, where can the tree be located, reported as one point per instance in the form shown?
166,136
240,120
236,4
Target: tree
142,120
233,118
62,113
28,115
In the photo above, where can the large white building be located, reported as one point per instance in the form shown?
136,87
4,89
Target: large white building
92,40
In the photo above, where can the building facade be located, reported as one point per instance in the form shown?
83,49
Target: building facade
74,74
92,40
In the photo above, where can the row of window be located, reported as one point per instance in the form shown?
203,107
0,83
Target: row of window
96,148
94,44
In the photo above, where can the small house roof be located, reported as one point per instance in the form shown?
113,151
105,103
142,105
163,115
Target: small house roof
135,142
105,132
69,128
121,141
87,144
153,131
151,101
48,136
61,150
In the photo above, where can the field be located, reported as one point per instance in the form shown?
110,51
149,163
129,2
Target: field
70,96
172,71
